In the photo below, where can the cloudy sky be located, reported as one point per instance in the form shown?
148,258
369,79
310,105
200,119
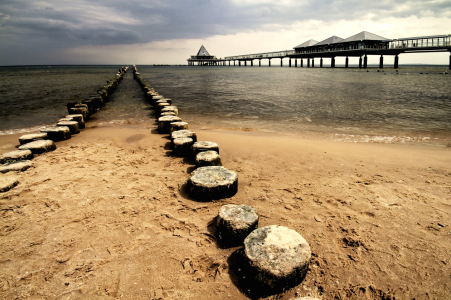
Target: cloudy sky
169,31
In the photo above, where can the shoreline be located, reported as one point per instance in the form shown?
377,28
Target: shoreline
105,215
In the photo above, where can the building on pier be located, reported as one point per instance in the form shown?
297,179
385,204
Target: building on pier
360,45
203,58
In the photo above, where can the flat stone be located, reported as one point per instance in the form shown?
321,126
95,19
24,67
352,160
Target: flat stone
164,123
38,147
178,126
79,118
16,156
73,126
16,166
235,223
182,146
65,119
7,183
168,114
205,146
24,139
184,134
169,100
208,158
278,255
57,133
79,110
209,183
171,108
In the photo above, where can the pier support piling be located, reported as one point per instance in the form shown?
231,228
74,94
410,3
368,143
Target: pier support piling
365,61
302,63
281,62
321,62
295,63
381,62
347,62
313,62
260,62
449,68
289,63
308,62
332,62
245,63
239,63
269,62
360,62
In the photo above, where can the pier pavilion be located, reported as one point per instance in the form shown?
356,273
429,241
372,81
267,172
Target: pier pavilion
360,45
203,58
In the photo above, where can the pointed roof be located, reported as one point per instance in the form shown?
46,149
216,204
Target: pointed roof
333,39
306,44
203,51
365,36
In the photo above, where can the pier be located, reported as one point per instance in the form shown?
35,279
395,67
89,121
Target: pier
358,46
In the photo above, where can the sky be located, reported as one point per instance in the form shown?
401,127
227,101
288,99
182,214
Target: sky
169,31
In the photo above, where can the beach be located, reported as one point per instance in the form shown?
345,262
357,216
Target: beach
106,216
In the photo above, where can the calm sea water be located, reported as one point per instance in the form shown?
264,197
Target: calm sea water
339,104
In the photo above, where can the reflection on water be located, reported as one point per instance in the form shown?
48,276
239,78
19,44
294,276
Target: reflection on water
342,104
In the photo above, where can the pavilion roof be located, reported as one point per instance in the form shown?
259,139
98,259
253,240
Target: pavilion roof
332,40
203,51
364,36
307,44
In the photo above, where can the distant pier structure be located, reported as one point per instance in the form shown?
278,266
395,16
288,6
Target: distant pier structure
203,58
358,46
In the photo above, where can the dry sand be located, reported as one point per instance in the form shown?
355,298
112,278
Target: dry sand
105,216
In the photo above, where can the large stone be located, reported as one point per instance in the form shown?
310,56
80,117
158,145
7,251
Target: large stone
27,138
38,147
184,134
278,256
16,156
160,106
18,166
165,122
209,183
7,183
171,108
205,146
79,110
57,133
79,118
235,223
73,126
182,146
208,158
178,126
167,114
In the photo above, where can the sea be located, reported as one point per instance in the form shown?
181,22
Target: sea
408,105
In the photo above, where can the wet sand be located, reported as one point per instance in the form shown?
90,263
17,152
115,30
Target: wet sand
105,216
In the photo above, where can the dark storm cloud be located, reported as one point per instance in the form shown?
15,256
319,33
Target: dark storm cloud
63,24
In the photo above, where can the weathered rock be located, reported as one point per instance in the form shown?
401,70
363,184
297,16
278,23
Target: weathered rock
16,156
182,146
65,119
208,158
167,114
205,146
161,101
79,110
278,256
79,118
165,122
178,126
160,106
184,134
17,166
7,183
57,133
32,137
73,126
38,147
235,223
171,108
208,183
168,100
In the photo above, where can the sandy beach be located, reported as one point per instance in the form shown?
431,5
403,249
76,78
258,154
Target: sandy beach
105,216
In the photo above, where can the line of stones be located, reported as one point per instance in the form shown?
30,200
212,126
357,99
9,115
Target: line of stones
44,141
275,256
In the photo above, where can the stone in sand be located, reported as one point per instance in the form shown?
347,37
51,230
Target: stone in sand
169,100
178,126
38,147
171,108
7,183
16,166
160,106
165,122
32,137
57,133
205,146
209,183
65,119
184,134
167,114
16,156
235,223
208,158
79,118
182,146
79,110
278,256
73,126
